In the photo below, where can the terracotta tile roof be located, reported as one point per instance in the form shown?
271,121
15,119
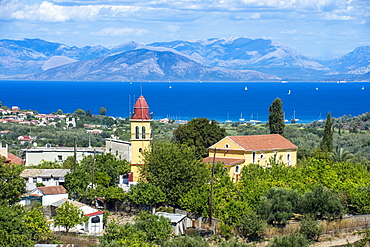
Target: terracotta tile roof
14,159
53,190
226,161
262,142
94,213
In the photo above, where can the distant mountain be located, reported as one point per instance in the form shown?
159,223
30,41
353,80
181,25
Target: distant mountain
146,65
243,53
29,55
238,57
356,62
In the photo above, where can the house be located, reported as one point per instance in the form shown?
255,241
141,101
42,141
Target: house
237,151
94,224
49,194
48,177
33,156
9,157
23,139
179,222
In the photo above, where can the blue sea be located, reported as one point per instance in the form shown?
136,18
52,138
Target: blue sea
222,101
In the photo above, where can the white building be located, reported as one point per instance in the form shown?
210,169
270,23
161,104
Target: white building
179,222
48,177
34,156
120,149
94,225
49,194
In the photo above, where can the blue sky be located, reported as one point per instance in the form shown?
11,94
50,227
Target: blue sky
316,28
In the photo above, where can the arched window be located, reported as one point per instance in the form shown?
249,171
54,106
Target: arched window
288,160
140,150
137,130
143,132
227,145
237,169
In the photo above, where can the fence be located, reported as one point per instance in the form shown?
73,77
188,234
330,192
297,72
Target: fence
335,227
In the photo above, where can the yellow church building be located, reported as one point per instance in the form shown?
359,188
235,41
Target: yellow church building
234,152
141,136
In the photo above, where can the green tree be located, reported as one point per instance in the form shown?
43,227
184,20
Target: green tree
310,228
147,194
157,228
321,202
36,222
11,184
123,235
13,231
293,240
200,133
251,226
102,111
186,241
276,117
68,216
278,205
326,144
173,168
79,112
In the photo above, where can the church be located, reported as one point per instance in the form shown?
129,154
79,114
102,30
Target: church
141,137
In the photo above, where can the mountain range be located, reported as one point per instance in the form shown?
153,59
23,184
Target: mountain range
217,59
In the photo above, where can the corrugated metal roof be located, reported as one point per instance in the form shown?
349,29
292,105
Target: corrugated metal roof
174,218
45,173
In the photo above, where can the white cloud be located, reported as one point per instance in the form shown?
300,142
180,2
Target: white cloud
117,32
173,28
288,31
50,12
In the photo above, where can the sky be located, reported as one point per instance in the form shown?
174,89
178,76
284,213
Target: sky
319,29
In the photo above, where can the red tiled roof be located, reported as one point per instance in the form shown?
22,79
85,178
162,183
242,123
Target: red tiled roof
262,142
95,213
226,161
53,190
14,159
141,109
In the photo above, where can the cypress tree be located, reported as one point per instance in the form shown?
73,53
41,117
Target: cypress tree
276,117
326,144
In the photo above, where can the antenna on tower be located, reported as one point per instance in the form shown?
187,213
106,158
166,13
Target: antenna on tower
141,88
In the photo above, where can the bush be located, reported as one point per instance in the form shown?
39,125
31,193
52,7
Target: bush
293,240
186,241
310,228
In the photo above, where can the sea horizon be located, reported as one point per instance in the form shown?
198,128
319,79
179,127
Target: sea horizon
221,101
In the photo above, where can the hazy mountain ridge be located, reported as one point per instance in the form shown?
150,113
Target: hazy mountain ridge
232,58
144,64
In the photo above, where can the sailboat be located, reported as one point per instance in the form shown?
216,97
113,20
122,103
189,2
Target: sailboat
363,88
246,88
289,92
294,119
320,120
254,121
241,119
228,119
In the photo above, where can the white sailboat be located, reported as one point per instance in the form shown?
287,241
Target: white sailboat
241,119
246,88
289,92
363,88
294,119
254,121
228,119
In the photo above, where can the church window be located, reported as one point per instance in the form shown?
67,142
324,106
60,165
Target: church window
137,130
143,132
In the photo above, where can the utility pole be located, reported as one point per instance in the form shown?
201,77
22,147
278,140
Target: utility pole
211,194
75,155
93,172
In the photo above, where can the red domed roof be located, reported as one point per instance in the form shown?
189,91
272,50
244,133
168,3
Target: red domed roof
141,109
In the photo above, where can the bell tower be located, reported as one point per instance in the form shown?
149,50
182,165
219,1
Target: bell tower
141,135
